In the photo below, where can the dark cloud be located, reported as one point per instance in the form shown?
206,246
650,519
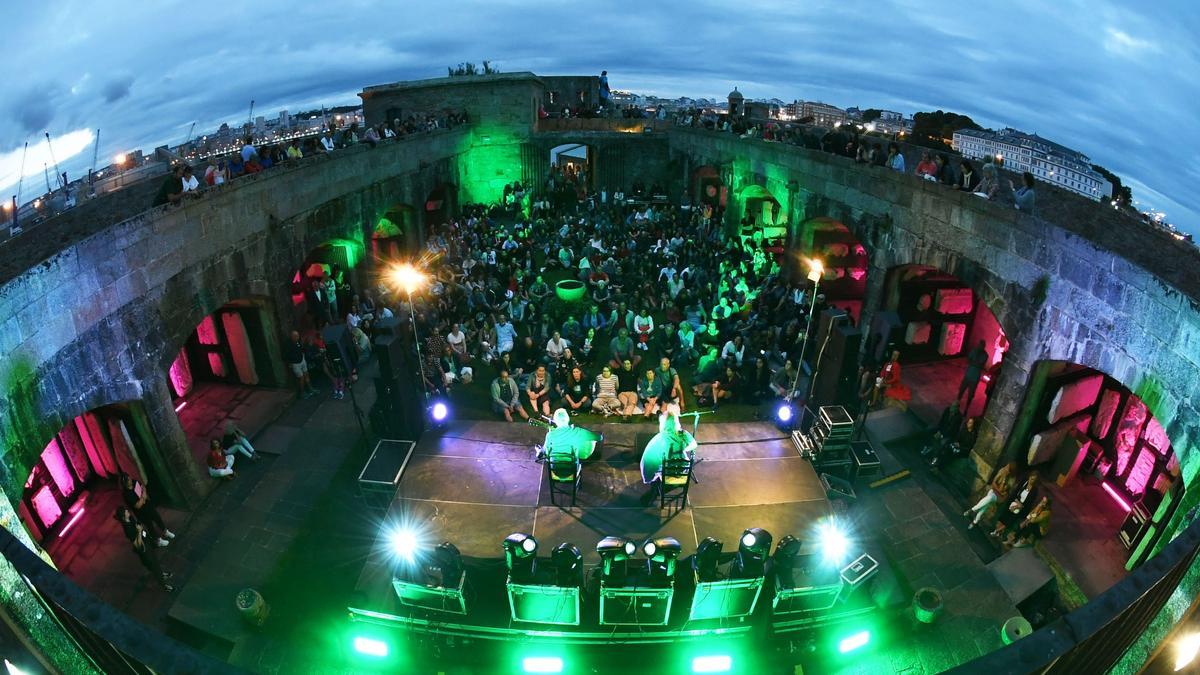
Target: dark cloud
34,111
117,89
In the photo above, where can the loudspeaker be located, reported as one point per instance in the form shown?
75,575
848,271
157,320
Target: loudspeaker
825,320
389,327
399,410
393,359
339,345
837,376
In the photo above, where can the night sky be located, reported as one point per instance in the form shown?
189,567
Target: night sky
1117,81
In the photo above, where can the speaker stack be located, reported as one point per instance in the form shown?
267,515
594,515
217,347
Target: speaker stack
398,411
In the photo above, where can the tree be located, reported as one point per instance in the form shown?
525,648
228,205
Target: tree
871,114
467,69
1121,193
939,126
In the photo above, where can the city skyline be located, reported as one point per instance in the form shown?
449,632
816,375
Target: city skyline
1086,84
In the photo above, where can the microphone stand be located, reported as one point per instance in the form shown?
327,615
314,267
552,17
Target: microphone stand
696,458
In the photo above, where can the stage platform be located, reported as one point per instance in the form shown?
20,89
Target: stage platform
474,483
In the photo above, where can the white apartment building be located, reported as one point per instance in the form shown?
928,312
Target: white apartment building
1046,160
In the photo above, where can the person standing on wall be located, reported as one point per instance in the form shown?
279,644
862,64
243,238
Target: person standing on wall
976,361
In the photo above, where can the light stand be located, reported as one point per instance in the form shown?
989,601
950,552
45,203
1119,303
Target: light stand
412,316
814,275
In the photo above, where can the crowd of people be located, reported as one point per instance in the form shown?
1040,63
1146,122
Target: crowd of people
184,183
960,173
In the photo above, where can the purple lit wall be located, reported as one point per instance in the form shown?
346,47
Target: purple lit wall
181,374
1074,397
46,506
206,332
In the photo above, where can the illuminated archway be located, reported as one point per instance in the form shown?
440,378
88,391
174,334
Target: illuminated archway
335,260
441,205
396,233
1109,465
760,209
935,321
843,258
572,173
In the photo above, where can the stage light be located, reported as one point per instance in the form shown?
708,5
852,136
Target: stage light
786,551
833,541
405,542
1112,492
445,566
708,555
370,647
1185,651
712,664
661,555
407,277
815,270
784,413
854,641
520,550
439,411
649,548
542,664
568,564
614,552
753,549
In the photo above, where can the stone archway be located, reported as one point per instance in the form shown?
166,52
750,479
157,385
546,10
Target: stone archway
441,205
397,233
843,258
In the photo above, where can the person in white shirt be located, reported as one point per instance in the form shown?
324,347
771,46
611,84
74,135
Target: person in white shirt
248,151
555,347
734,349
327,142
457,340
190,184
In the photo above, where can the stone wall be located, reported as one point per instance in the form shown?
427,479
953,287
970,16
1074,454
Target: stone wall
1125,302
100,321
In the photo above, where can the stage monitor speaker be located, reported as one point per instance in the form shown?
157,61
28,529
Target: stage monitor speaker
339,345
386,327
398,411
837,377
635,605
531,603
727,599
825,322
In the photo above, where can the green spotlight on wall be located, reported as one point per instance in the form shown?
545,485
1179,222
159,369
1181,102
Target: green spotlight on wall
370,647
719,663
855,641
542,664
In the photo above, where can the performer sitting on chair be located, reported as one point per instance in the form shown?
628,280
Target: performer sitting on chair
671,442
567,440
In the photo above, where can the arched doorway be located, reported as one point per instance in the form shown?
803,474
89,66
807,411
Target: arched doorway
396,234
440,206
707,188
323,284
843,258
71,492
228,370
572,174
1108,464
760,209
938,324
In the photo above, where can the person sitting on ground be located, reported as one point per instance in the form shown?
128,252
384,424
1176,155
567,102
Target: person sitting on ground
672,391
734,350
587,349
1034,527
138,499
538,390
959,445
452,371
627,389
506,334
998,491
220,465
555,347
457,340
946,430
506,397
136,534
573,390
643,325
783,382
650,389
1019,506
572,330
621,348
236,441
607,384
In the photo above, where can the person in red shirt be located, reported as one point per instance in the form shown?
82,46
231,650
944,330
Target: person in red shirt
220,465
927,167
895,391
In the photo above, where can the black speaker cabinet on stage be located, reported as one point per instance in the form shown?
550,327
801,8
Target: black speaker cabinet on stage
399,403
389,327
339,344
837,378
825,321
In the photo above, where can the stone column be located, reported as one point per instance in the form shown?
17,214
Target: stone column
171,456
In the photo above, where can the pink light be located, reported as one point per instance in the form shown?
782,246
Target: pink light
1116,497
72,521
181,406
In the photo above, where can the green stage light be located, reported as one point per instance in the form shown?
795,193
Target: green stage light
542,664
854,641
712,664
370,646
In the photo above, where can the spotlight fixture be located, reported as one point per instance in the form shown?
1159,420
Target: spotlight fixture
445,566
614,552
661,555
520,550
786,552
784,413
439,412
405,543
834,542
568,565
753,549
708,556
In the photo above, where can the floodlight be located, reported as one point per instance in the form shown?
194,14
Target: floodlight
815,270
784,413
407,277
708,555
439,411
542,664
661,555
614,552
445,566
405,542
855,641
712,664
370,647
1186,649
519,552
753,549
834,542
786,552
568,564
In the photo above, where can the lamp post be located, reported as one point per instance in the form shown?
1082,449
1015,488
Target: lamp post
410,279
815,270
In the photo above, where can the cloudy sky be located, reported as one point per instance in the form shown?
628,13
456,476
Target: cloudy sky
1115,80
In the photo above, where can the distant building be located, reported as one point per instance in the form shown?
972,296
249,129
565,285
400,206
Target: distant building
890,116
1046,160
822,114
285,120
854,113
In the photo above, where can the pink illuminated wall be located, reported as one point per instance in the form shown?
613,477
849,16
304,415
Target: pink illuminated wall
55,461
239,347
46,506
207,332
181,374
